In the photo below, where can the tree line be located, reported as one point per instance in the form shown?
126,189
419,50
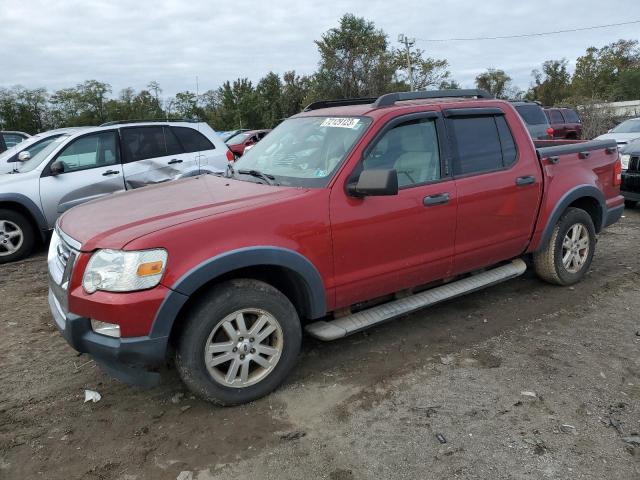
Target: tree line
356,60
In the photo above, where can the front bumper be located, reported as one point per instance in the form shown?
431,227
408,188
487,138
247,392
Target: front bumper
127,359
630,188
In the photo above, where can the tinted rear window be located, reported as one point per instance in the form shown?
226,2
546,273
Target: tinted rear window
571,116
192,140
532,114
143,142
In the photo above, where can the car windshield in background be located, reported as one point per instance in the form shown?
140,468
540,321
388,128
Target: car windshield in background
303,152
629,126
532,114
238,139
38,158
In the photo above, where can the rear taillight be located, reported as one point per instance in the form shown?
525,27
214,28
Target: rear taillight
617,172
550,132
230,156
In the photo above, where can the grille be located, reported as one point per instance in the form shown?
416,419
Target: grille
634,164
61,258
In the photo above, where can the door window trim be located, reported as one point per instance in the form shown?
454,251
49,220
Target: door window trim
46,171
443,150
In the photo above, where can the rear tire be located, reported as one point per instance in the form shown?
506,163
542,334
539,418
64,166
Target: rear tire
17,236
567,256
630,204
239,343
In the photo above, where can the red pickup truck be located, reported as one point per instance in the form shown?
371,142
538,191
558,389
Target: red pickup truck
348,214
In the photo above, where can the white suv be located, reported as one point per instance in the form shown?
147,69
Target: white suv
83,165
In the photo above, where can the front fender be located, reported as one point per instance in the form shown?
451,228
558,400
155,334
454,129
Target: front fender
200,275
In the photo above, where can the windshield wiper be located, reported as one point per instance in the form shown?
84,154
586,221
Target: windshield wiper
270,179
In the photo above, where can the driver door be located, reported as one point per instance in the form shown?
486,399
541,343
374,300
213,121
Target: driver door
91,170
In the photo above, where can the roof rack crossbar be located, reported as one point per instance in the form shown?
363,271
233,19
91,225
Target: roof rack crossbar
152,120
339,103
392,98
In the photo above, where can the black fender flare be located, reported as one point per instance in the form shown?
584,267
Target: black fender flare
581,191
190,282
30,206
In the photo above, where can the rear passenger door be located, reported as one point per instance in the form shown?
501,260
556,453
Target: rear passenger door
153,154
498,188
200,148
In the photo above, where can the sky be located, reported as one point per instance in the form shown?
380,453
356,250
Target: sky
60,43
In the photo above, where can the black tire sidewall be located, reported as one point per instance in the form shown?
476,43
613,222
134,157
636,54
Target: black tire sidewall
223,300
28,235
568,220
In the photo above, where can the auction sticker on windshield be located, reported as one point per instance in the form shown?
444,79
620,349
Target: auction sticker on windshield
340,122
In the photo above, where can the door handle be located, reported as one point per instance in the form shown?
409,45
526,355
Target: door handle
437,199
526,180
175,160
110,172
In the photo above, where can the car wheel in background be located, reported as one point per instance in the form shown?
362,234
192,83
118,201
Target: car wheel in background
566,257
630,204
17,236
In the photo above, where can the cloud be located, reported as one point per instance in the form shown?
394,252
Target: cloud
129,43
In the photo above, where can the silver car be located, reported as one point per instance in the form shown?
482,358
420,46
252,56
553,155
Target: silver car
86,164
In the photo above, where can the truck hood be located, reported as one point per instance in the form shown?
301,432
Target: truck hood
620,138
115,220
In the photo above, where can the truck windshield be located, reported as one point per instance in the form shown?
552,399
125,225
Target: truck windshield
629,126
303,152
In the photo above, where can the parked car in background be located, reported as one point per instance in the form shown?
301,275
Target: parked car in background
630,159
238,143
23,151
565,123
535,120
347,215
624,133
9,139
231,133
83,165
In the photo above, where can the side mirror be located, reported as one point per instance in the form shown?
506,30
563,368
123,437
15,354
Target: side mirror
610,130
24,156
375,183
56,168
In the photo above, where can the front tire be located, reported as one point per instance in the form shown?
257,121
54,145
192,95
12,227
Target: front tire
239,343
17,236
567,256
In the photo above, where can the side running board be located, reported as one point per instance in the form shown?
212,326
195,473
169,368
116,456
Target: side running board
341,327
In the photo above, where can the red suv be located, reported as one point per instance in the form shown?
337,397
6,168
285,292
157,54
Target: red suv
245,140
347,215
565,123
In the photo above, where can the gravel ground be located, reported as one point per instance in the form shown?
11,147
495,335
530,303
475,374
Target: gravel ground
523,381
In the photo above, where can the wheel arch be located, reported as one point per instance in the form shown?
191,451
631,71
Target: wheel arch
26,206
586,197
288,271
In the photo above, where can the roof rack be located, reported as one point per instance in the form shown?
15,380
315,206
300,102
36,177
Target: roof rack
392,98
121,122
339,103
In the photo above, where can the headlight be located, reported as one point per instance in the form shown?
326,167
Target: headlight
624,160
121,271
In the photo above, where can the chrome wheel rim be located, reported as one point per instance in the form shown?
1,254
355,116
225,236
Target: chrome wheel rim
243,348
575,248
11,237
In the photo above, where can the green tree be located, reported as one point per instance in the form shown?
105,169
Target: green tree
269,100
494,81
552,84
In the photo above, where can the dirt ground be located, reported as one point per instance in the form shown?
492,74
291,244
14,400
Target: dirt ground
369,406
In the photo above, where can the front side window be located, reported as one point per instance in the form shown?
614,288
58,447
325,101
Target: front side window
410,148
479,144
303,152
90,151
192,140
